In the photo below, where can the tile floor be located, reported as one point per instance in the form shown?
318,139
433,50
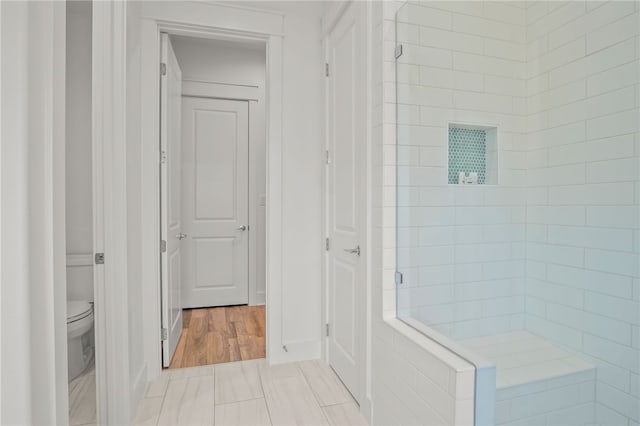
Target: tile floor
82,399
249,393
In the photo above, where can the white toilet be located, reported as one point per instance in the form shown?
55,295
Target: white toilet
80,340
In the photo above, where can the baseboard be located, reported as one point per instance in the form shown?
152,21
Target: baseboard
295,351
138,389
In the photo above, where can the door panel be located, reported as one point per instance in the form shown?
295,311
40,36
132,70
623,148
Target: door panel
171,208
215,179
214,262
347,133
216,201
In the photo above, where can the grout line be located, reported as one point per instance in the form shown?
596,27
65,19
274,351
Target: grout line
264,394
306,379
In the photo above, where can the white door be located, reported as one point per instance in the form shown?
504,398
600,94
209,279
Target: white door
216,201
346,120
171,209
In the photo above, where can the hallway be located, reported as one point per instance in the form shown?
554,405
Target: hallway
249,393
217,335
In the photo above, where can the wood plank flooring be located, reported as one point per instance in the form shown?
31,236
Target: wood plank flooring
217,335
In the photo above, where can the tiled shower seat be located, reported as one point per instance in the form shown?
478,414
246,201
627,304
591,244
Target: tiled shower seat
537,382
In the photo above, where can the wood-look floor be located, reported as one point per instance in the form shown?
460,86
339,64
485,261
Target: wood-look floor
216,335
249,393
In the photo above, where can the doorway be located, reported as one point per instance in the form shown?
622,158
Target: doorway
212,200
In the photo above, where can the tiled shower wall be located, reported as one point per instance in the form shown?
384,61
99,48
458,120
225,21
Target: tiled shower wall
461,248
583,244
564,87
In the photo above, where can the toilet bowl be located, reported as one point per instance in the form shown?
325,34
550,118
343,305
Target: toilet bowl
80,341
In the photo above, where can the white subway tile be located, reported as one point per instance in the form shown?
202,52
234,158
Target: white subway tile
571,174
620,401
469,81
623,309
443,39
607,416
610,102
556,215
483,64
536,11
563,55
614,78
609,148
504,86
505,50
567,154
592,194
487,28
597,325
613,33
407,33
585,24
572,71
427,16
594,281
613,262
613,170
613,216
611,57
572,92
505,12
436,77
433,156
556,19
601,238
555,332
563,255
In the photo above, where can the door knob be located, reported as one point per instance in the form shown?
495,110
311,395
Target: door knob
354,250
181,236
243,228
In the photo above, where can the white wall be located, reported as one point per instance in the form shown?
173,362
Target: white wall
583,213
460,248
33,334
302,174
217,61
79,214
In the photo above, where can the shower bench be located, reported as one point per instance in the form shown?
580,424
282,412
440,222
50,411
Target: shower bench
538,383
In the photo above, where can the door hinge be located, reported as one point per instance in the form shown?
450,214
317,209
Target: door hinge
398,51
163,157
327,329
164,334
326,69
326,244
163,68
327,157
99,258
399,278
163,246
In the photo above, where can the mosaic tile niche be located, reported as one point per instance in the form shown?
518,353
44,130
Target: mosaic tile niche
473,150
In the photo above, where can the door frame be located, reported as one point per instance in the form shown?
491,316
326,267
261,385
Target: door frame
332,18
150,41
109,189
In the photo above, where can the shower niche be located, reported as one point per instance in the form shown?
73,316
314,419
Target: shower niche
472,154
